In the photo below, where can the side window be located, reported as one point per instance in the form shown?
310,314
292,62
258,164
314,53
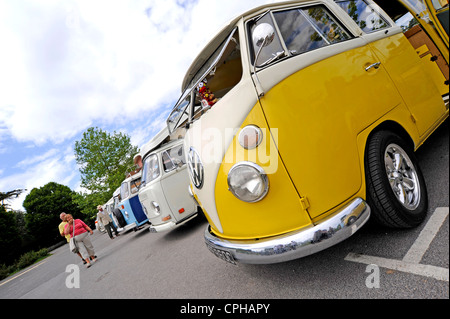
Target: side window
171,158
135,184
151,169
307,29
439,4
366,16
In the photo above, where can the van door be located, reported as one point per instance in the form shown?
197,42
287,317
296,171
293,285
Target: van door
175,183
324,89
408,61
433,17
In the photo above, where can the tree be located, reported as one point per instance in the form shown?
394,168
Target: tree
8,195
43,206
104,160
10,242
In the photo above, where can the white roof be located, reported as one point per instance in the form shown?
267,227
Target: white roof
155,141
221,36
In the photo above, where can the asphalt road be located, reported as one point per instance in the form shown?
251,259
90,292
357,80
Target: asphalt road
411,264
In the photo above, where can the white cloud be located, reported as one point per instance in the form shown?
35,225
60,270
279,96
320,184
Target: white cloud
37,159
67,65
38,171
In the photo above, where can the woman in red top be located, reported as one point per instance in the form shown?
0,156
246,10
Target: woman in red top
81,237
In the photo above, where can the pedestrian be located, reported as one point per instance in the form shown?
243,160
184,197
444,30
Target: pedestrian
81,238
104,218
61,231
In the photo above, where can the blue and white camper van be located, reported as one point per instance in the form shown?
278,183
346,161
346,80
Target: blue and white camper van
129,204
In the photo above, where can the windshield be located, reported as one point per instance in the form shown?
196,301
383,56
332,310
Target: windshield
124,190
173,158
151,169
181,112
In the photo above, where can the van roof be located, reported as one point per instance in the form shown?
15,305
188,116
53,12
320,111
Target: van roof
212,45
155,142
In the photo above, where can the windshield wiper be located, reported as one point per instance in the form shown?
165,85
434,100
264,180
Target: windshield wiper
275,57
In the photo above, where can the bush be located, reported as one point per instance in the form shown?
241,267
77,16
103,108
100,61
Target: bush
24,261
5,271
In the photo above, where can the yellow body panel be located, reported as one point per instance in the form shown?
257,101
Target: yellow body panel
279,212
319,111
415,82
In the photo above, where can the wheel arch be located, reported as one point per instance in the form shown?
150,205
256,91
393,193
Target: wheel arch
387,209
393,127
365,136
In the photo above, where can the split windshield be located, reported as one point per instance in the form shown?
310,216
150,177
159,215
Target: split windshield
225,53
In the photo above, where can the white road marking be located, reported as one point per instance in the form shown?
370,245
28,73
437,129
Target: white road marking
420,246
20,274
438,273
410,262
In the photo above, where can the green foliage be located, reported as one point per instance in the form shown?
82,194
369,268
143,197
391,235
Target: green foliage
87,204
104,160
24,261
43,206
10,241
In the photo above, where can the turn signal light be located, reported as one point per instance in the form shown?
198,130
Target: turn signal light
164,219
250,137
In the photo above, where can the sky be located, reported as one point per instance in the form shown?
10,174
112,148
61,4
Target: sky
67,65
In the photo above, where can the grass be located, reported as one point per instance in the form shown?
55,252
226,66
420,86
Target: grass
23,262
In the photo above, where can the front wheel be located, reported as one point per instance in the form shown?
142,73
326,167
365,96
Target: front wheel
396,188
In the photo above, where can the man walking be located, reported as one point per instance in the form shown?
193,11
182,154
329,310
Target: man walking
104,218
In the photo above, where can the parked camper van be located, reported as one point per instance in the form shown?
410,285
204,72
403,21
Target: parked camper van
301,119
129,204
164,192
121,223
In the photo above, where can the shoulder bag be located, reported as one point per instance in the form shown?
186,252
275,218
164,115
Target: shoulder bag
72,245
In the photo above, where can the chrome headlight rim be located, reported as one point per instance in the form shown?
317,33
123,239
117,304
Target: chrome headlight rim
262,175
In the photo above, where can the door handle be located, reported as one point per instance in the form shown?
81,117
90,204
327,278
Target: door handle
374,65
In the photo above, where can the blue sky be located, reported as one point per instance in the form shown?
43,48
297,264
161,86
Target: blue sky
67,65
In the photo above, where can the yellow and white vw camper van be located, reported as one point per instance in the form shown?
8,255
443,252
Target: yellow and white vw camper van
301,119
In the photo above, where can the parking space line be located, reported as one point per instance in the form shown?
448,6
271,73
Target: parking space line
420,246
438,273
410,262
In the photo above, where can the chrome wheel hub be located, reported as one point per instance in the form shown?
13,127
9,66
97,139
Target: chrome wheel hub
402,176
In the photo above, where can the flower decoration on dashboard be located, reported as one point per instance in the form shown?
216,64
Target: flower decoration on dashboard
207,98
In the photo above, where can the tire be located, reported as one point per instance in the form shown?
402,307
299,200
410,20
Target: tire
396,190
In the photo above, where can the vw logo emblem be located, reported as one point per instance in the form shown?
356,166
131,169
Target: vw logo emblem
195,168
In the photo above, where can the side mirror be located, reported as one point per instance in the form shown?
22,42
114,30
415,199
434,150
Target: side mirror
177,162
263,35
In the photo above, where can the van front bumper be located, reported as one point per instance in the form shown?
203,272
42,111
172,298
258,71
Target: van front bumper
170,225
293,245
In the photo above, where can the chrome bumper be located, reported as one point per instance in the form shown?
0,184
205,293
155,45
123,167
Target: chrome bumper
292,245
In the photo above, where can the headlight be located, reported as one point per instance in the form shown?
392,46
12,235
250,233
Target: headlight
248,182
